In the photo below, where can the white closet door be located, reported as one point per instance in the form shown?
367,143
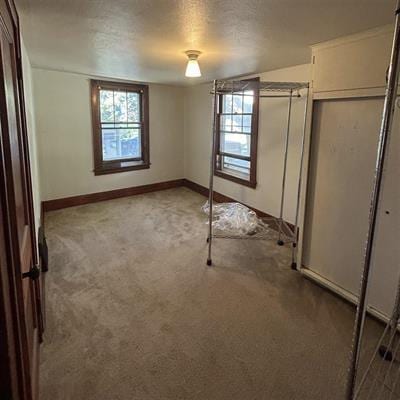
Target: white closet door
342,164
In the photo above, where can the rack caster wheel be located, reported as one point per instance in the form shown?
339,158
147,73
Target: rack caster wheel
280,242
385,353
294,266
208,239
209,263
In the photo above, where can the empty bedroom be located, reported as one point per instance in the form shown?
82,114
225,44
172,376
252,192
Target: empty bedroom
199,199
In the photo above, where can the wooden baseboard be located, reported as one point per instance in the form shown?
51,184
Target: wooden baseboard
342,293
57,204
219,197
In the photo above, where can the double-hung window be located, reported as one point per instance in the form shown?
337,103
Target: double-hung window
120,117
237,129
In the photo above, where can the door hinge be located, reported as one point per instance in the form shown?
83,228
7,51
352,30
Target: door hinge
33,273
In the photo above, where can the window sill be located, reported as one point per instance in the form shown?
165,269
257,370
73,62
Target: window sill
114,168
236,178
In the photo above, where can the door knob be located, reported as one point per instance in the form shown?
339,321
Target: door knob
33,273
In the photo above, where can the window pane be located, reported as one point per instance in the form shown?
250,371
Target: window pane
236,143
247,123
237,123
133,107
248,102
227,103
237,103
237,165
226,123
106,106
120,107
121,143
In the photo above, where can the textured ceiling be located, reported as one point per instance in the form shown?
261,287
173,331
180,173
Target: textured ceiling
145,40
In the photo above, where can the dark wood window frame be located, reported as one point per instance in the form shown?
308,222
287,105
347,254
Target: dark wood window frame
102,167
222,173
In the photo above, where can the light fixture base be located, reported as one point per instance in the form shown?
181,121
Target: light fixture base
192,54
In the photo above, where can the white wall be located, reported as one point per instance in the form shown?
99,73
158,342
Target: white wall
63,118
272,128
180,133
32,137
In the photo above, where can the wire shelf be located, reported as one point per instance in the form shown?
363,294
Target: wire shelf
287,231
381,377
268,233
228,86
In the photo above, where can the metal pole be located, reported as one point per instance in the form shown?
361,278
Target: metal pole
280,241
296,220
277,96
212,167
384,136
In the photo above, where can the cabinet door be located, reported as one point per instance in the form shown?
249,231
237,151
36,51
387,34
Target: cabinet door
342,164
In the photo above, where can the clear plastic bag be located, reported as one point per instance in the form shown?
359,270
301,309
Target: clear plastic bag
235,219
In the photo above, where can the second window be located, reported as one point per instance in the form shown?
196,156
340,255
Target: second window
237,129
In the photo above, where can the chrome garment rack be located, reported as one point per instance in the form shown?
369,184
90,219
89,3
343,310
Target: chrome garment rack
287,233
382,367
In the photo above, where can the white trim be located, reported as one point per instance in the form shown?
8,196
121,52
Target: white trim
381,30
350,93
304,178
341,292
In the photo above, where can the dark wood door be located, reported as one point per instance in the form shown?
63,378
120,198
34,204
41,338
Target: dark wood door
21,291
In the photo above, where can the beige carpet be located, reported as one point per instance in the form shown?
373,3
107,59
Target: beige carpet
133,312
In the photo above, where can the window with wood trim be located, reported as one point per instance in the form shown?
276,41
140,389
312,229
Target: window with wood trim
120,118
237,130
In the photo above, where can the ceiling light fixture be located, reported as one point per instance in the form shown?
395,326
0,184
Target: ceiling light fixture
192,68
